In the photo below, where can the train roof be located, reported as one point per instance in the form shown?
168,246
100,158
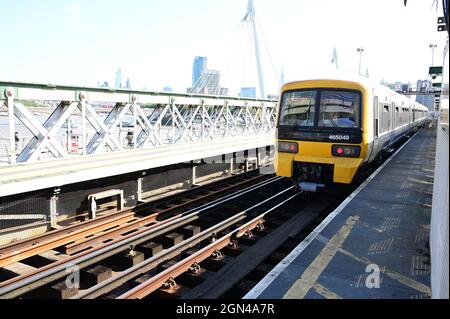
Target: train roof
363,81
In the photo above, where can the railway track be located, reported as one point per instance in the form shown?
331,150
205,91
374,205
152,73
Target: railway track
201,245
97,230
120,240
221,269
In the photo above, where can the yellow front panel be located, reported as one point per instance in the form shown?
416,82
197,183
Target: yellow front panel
320,153
283,164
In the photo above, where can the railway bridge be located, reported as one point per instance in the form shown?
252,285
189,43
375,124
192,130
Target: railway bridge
58,143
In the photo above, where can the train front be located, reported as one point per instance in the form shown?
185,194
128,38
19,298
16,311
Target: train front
320,136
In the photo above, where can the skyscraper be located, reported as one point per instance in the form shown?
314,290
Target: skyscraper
208,83
118,79
425,87
212,83
200,64
249,92
128,84
427,100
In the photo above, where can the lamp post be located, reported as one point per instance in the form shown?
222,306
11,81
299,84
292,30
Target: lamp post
360,50
432,47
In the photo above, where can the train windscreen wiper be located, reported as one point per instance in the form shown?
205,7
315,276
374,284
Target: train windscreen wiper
300,122
330,118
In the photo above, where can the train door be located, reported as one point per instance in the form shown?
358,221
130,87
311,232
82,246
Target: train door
409,116
393,117
376,119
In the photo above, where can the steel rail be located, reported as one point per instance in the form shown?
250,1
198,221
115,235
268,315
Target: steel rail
99,238
17,251
22,284
156,282
168,254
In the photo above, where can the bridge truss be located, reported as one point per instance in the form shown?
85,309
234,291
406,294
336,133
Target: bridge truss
56,122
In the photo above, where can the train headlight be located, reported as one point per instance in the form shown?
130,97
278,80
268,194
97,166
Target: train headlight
346,151
288,147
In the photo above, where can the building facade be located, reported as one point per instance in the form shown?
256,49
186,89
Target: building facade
249,92
200,66
118,79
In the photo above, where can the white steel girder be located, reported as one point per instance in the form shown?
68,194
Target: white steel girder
157,120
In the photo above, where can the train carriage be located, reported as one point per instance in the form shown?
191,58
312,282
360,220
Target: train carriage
329,129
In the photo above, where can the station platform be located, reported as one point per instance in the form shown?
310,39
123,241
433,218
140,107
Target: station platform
375,244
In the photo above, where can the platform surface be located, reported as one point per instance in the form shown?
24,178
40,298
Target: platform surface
373,246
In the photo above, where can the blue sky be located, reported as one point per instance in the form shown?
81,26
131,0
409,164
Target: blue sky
154,42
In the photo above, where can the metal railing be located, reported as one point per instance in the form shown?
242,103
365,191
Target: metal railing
40,122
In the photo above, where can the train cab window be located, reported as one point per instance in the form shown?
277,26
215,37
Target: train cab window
298,108
339,109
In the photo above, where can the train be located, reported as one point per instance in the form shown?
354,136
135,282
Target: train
328,130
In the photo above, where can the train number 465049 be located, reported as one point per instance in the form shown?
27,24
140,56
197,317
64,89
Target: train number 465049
339,137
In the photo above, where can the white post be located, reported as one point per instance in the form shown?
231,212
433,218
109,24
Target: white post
68,135
172,103
9,93
54,208
139,190
226,118
83,122
203,119
231,164
134,99
194,176
92,208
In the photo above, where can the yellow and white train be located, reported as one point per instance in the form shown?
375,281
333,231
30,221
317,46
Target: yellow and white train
328,130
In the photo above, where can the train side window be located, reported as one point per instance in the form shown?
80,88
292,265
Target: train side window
386,108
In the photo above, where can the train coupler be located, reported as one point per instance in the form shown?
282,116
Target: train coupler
309,186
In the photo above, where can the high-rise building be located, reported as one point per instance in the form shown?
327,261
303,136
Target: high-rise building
128,84
427,100
224,91
103,84
167,89
424,86
208,83
397,86
118,79
249,92
200,65
212,82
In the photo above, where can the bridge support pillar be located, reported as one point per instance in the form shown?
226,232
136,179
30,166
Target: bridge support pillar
54,208
194,176
139,190
232,159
